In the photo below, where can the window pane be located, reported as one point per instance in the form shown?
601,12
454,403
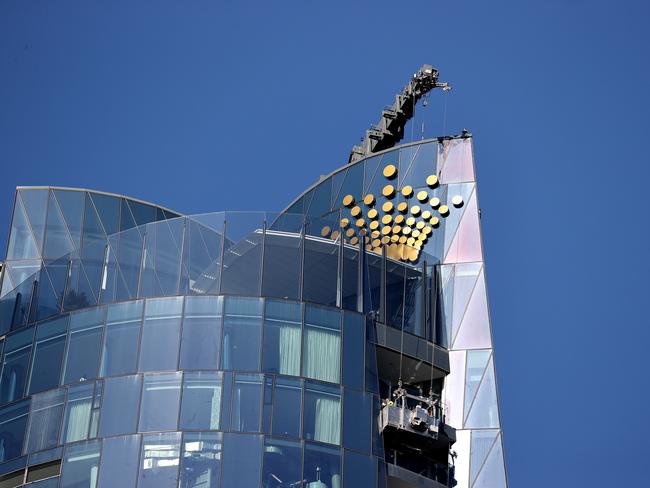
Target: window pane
360,470
80,465
119,466
18,348
320,271
394,294
48,355
242,259
322,413
77,413
282,330
160,457
282,463
286,403
354,329
322,344
13,422
282,257
123,325
241,337
201,460
239,451
356,420
45,420
201,333
161,334
322,467
201,401
349,292
159,390
84,346
246,403
119,409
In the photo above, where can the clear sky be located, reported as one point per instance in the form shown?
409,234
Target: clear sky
208,105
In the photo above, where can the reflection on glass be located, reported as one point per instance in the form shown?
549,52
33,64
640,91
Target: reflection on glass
119,412
356,420
48,353
161,334
322,413
15,365
322,467
359,470
160,402
201,339
282,265
282,330
77,413
286,403
246,403
320,270
282,463
84,346
119,466
13,423
353,349
201,460
322,344
236,448
201,403
159,461
123,324
80,465
45,420
241,336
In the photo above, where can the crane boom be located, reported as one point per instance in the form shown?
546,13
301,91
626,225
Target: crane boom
390,128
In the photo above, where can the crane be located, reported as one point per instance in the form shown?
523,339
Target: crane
390,128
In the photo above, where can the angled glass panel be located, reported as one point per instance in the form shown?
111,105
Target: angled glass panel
282,463
267,404
484,412
84,345
80,465
201,459
350,282
287,401
464,281
202,254
161,334
120,351
13,423
337,181
359,470
321,201
353,184
119,465
119,408
35,205
201,404
482,443
282,333
48,302
48,355
127,221
474,331
45,420
321,266
451,222
142,213
373,283
283,257
128,248
476,363
395,282
242,259
353,349
160,389
57,236
321,466
370,168
493,473
421,165
78,407
18,348
322,344
108,210
160,273
357,418
414,312
71,204
246,403
93,239
22,244
238,447
201,338
322,413
78,291
241,336
159,460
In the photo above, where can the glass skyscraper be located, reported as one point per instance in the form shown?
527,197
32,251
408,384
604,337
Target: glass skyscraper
342,342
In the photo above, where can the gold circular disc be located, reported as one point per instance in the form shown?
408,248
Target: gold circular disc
457,201
402,240
345,222
375,234
335,235
406,230
434,202
410,221
407,191
374,225
354,240
369,199
402,207
397,229
399,219
372,213
349,232
390,171
423,196
435,221
427,230
360,222
386,230
376,243
420,225
386,219
388,191
385,240
394,238
422,237
415,233
443,210
348,200
432,181
356,211
387,207
426,215
415,209
410,241
325,231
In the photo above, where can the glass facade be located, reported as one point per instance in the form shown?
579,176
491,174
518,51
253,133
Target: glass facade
143,348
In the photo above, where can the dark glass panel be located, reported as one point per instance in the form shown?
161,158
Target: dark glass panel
241,338
242,258
282,265
201,405
357,415
108,210
322,466
77,413
267,405
119,465
282,463
201,460
80,465
142,213
119,409
159,460
84,345
48,302
123,324
246,403
126,217
57,237
322,413
377,439
43,471
372,378
322,344
160,389
161,334
352,185
282,333
414,312
22,244
322,199
373,283
127,247
35,204
241,450
350,283
45,420
93,241
201,340
162,259
286,404
18,348
354,332
71,204
320,271
48,355
359,470
394,294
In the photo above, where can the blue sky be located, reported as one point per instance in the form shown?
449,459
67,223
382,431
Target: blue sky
202,106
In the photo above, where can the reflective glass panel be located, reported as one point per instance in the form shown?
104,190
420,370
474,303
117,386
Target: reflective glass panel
357,415
77,413
322,413
282,463
201,459
48,355
22,244
241,337
160,389
282,331
359,470
241,450
242,258
84,345
350,283
201,340
353,349
161,334
119,409
80,465
13,423
282,265
246,403
123,324
35,204
320,271
18,348
159,460
322,344
322,466
286,403
119,466
394,294
201,404
45,420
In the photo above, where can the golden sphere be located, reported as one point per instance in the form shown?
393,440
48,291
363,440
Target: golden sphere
360,222
415,209
372,213
410,241
427,230
394,238
419,225
406,230
387,207
376,243
407,191
335,235
443,210
349,232
402,207
399,219
369,199
426,215
390,171
435,221
348,200
423,196
397,229
375,234
402,240
386,230
415,233
356,211
386,219
388,191
374,225
410,221
354,241
385,240
432,181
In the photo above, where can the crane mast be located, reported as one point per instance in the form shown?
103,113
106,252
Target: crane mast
390,128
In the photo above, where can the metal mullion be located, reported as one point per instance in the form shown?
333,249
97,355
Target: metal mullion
223,248
181,256
261,286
